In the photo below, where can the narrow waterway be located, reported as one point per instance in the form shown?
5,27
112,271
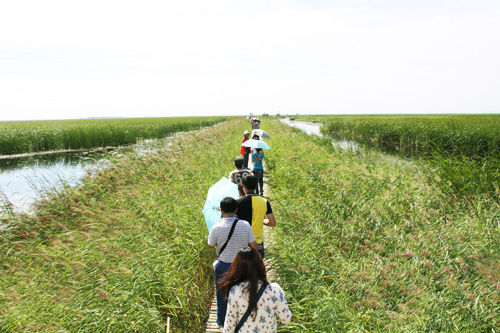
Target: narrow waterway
315,129
309,128
26,178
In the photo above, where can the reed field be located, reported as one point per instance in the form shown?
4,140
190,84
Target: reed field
123,251
463,151
368,242
409,135
365,242
17,137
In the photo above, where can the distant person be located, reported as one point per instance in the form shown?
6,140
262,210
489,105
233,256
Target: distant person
253,303
245,151
256,123
256,210
237,176
230,235
258,169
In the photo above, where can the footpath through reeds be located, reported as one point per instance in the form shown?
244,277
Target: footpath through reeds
362,243
211,325
125,250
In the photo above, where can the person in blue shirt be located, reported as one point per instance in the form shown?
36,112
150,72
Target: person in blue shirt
258,169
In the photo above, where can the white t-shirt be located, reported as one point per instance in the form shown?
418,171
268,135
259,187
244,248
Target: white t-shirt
242,237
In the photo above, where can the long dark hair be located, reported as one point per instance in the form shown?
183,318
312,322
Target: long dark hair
246,266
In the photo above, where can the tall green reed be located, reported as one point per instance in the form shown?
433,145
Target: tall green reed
368,242
464,150
470,135
123,251
35,136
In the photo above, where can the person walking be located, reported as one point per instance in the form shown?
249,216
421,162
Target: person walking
237,175
245,151
256,210
255,123
230,235
253,303
258,169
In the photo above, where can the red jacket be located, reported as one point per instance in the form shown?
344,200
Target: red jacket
243,149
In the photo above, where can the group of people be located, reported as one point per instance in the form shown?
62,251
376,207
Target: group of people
246,302
257,157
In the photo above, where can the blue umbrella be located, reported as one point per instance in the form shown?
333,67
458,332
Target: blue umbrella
256,144
223,188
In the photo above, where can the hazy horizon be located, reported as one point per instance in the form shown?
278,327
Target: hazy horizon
110,58
260,115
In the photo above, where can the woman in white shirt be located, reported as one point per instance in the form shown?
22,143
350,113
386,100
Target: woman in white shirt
248,291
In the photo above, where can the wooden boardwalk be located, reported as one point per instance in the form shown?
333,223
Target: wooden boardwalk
212,318
271,277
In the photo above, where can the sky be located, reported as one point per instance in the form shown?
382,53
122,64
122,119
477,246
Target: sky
66,59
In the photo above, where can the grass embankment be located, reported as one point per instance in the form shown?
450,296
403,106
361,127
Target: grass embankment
17,137
124,250
369,242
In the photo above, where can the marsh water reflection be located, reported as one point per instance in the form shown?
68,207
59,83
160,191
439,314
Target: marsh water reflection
309,128
23,179
315,129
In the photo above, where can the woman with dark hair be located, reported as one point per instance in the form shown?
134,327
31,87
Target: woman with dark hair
253,303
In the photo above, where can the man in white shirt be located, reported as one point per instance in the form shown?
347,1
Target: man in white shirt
229,235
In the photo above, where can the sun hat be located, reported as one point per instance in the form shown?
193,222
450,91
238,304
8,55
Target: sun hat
246,132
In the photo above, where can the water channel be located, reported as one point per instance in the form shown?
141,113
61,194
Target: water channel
26,178
315,129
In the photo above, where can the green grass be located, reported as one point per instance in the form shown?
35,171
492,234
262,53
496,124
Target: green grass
462,150
469,135
369,242
364,242
18,137
125,250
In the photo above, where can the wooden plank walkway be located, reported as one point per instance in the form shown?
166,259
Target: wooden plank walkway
271,277
212,318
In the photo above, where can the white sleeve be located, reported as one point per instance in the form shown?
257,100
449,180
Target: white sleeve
232,311
283,312
212,240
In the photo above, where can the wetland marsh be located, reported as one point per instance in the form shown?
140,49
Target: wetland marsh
363,242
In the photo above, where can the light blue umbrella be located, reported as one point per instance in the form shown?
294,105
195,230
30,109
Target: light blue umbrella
256,144
223,188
